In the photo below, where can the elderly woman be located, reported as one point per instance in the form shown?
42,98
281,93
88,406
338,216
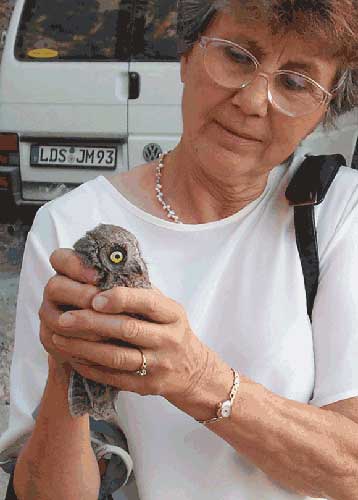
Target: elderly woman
256,402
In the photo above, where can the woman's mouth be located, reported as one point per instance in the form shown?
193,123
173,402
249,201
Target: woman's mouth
240,140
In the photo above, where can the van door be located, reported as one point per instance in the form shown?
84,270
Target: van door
154,105
64,90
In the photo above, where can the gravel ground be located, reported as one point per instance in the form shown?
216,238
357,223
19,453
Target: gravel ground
12,240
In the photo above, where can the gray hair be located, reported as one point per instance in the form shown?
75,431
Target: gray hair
194,16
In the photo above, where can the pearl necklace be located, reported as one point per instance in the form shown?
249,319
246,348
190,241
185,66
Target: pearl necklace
170,212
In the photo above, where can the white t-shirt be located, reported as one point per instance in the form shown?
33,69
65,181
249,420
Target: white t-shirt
241,284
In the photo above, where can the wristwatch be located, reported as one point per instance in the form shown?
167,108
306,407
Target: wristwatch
224,408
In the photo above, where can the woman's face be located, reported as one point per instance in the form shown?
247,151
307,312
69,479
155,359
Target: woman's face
208,106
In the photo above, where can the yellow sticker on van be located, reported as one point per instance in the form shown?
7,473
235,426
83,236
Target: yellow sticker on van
42,53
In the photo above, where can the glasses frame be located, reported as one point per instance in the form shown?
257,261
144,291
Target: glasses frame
204,41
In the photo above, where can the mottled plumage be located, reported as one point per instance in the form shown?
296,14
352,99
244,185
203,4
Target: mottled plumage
114,252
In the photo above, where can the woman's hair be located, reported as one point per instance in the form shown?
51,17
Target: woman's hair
334,23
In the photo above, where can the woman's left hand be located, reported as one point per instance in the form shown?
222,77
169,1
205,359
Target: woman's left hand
176,359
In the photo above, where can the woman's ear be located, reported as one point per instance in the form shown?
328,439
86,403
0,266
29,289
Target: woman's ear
183,67
185,63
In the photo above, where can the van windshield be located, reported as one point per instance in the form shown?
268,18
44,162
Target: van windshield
74,30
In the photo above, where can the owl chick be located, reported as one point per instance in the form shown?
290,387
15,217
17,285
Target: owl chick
114,252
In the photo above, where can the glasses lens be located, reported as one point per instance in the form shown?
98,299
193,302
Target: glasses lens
229,65
296,94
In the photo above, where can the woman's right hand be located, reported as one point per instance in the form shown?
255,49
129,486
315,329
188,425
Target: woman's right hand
76,289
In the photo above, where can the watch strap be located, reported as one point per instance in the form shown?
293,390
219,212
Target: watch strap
228,402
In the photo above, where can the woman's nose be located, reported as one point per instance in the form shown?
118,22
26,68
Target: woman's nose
253,99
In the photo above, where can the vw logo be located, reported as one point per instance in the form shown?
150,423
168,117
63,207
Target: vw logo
151,152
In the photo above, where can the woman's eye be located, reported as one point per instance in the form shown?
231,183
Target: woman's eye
294,82
238,56
116,257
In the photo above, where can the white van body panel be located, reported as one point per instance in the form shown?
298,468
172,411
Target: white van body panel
155,117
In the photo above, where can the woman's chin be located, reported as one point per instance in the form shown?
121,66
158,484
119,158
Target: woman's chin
219,159
226,154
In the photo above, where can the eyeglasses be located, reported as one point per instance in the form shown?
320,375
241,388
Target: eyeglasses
232,66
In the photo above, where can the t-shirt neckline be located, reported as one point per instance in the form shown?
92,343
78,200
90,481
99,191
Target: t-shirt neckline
118,196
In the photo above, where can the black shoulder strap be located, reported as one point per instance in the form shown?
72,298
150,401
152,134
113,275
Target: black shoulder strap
307,188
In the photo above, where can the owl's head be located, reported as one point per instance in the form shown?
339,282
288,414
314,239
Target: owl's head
111,250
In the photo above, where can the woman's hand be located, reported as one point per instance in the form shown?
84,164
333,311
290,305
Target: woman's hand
176,359
77,291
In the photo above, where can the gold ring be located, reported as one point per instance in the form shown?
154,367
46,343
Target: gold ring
143,369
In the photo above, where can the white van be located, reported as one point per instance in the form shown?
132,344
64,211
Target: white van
86,88
93,87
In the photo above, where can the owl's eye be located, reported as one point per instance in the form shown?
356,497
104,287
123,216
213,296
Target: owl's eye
116,257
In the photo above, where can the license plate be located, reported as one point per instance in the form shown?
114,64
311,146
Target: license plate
73,156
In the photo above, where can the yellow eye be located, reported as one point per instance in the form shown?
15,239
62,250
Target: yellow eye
116,257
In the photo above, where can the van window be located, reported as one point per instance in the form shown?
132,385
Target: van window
155,37
69,30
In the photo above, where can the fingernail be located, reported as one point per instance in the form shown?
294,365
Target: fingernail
66,319
57,339
99,302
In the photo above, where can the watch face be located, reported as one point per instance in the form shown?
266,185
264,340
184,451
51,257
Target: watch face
226,409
